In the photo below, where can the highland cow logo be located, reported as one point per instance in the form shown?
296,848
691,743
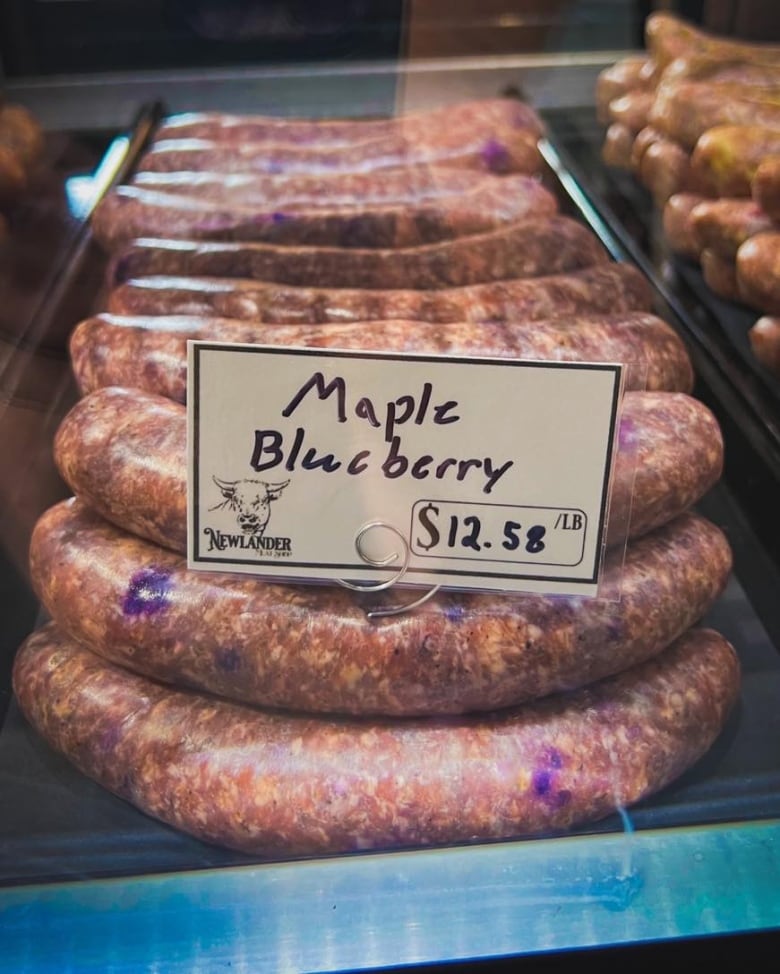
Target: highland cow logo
250,503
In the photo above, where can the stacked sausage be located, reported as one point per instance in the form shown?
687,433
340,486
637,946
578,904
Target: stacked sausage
21,146
698,120
279,719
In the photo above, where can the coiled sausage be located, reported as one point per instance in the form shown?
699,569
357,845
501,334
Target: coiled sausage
272,784
313,648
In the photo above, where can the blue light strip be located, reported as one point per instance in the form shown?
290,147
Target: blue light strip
369,911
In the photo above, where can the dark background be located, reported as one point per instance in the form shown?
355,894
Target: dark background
51,37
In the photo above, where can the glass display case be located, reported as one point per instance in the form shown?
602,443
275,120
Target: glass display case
88,881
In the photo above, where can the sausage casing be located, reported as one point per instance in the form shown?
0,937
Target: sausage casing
313,648
725,158
129,212
723,225
151,352
504,149
482,115
124,452
281,785
600,289
765,187
528,248
685,111
758,272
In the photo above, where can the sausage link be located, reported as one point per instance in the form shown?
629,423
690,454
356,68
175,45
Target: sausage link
720,275
478,115
402,186
601,289
765,187
758,272
21,132
129,212
13,176
665,169
764,337
685,111
151,352
678,225
124,452
625,75
642,142
312,647
504,150
631,109
618,144
725,158
274,784
723,225
668,37
721,71
547,245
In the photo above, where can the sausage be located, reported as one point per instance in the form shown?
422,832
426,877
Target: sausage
723,225
22,134
13,177
765,187
477,115
678,226
685,111
668,37
703,67
764,337
618,144
720,275
631,109
275,784
603,288
758,272
726,157
151,352
354,190
670,452
545,245
625,75
129,212
504,150
642,142
665,169
313,648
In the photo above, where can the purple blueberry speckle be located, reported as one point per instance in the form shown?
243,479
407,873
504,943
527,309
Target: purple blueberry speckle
108,740
555,758
615,631
280,217
455,613
495,156
228,660
148,592
627,434
541,783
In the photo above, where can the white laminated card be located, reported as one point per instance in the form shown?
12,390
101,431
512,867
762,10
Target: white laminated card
315,465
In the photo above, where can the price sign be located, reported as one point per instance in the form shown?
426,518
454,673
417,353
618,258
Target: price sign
511,534
314,465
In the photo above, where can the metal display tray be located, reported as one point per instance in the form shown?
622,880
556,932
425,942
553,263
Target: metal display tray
116,890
